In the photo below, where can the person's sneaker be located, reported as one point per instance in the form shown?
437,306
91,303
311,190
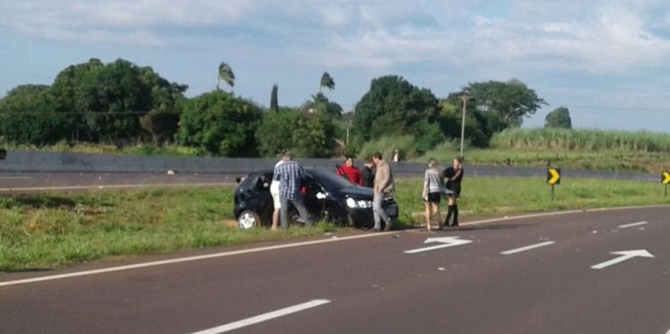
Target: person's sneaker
374,229
455,224
387,227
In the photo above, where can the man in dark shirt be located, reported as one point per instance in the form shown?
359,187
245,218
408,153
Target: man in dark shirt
291,175
368,175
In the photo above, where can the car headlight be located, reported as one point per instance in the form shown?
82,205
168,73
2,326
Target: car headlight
352,203
365,204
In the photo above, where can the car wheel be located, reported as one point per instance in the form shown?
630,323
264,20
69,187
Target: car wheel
248,219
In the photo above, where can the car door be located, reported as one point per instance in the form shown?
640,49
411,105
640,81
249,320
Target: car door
257,196
310,189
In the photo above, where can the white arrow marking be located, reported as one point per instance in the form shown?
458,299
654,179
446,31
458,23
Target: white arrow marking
445,242
633,225
523,249
625,255
264,317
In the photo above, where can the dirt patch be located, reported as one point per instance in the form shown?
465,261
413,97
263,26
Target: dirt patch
229,223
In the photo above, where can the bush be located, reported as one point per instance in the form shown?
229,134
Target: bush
386,145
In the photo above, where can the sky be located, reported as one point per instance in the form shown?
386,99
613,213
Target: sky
607,61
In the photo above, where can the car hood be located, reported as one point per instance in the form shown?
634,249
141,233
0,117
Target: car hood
359,193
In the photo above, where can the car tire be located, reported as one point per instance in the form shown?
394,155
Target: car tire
248,220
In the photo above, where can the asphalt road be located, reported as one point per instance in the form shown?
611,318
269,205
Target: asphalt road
550,274
21,182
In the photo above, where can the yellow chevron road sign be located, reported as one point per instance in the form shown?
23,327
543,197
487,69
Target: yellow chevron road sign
553,176
665,178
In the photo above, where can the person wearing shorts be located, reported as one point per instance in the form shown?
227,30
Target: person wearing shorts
276,199
433,190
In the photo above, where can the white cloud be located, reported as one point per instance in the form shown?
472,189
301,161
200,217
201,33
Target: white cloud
591,36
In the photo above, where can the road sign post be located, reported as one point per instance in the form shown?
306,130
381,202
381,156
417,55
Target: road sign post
553,178
665,180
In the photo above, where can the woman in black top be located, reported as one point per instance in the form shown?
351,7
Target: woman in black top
453,176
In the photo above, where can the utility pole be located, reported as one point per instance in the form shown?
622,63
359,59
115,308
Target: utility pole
465,99
348,127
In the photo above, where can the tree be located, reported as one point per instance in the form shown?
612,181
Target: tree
480,126
70,99
162,124
321,104
559,118
220,124
28,116
104,102
275,134
508,101
274,102
315,136
326,82
226,74
393,107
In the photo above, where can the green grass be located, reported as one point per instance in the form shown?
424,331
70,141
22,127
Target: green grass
645,162
54,230
485,197
50,231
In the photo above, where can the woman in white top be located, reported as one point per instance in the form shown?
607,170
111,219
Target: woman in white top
274,191
433,190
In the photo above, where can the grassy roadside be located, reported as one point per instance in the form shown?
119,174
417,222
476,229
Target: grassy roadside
608,160
53,230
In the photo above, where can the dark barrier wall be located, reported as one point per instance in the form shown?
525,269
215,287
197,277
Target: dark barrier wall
50,162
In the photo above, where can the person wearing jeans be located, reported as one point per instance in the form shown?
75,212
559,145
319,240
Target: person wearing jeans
291,175
383,186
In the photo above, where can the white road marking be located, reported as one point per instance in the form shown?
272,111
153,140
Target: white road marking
186,259
526,248
16,178
633,225
444,241
624,256
264,317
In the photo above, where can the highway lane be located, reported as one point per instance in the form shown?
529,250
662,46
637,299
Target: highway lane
531,275
21,182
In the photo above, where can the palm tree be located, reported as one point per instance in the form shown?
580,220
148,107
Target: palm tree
327,82
226,74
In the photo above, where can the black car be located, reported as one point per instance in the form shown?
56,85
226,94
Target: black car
328,197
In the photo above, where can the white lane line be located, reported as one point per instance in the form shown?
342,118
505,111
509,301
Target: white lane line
526,248
633,225
263,317
16,178
188,259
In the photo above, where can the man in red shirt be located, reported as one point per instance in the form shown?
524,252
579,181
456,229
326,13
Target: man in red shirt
350,171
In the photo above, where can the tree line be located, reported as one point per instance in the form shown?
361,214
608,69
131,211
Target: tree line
121,103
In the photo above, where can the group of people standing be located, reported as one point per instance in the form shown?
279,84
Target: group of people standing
376,174
438,183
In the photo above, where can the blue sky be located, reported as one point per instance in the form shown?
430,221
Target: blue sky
607,61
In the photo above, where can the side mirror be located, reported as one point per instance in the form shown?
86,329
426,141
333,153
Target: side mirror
321,195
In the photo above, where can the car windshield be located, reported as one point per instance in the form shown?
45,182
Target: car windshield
330,181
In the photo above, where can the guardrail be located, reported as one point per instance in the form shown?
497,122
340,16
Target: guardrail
53,162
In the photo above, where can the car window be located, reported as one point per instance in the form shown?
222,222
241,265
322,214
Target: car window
331,181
